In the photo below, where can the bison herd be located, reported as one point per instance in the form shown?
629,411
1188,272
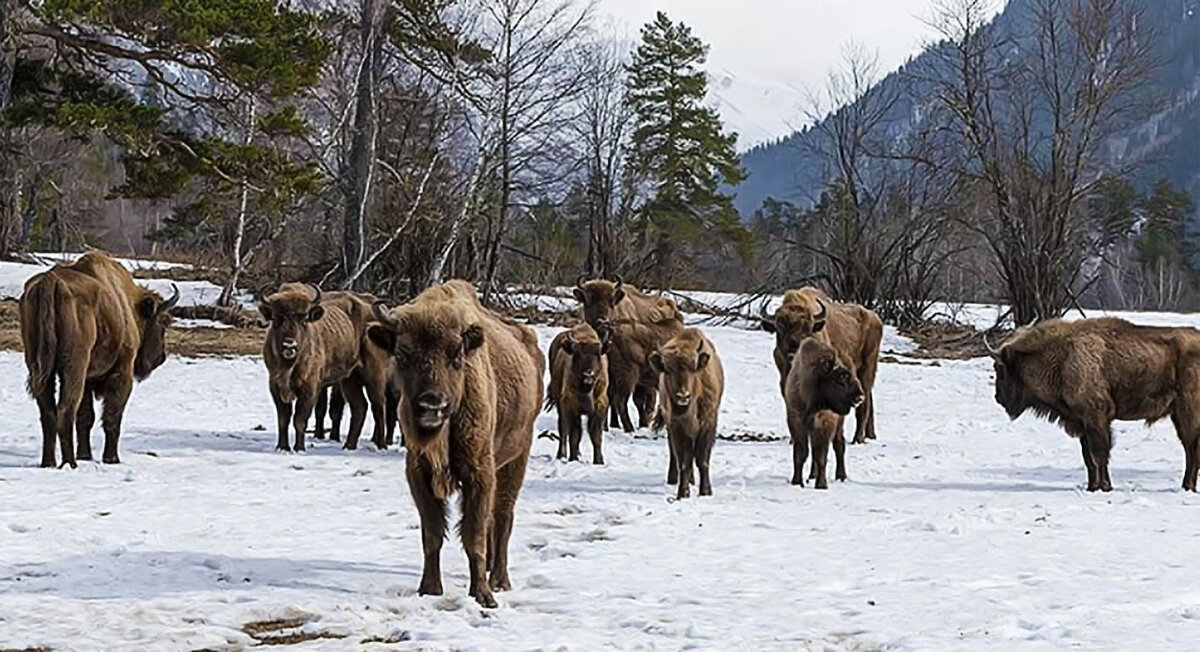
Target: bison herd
464,383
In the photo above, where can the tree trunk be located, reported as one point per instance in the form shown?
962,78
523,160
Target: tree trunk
235,273
361,162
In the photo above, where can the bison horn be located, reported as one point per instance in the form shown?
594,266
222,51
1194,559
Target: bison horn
317,290
382,314
992,351
264,291
617,278
579,280
821,315
170,303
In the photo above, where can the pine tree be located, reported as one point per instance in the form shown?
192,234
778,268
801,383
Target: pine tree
679,145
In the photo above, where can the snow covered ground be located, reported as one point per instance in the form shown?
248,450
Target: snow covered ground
957,530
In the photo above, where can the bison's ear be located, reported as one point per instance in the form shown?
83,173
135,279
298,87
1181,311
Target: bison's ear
147,306
568,345
818,326
472,338
264,309
579,295
618,295
315,313
382,336
768,325
702,361
656,361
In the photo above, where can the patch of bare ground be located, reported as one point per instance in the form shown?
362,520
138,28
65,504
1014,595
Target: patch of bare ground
214,276
950,341
284,631
25,649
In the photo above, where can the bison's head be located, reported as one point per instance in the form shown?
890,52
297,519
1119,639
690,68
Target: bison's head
599,299
432,346
827,383
155,316
792,324
289,312
681,362
1010,388
587,350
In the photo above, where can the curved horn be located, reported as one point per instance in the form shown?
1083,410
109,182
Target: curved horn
170,303
824,309
264,291
579,280
382,314
992,351
317,289
617,278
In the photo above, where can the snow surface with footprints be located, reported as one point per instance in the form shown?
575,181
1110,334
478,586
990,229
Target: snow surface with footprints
956,530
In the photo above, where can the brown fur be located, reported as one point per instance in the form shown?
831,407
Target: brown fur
853,331
90,325
819,392
639,324
579,388
326,343
472,388
1086,374
691,385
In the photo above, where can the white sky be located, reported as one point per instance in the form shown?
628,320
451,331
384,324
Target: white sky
775,49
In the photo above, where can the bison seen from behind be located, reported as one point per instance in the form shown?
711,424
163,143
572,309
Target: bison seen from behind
691,384
854,332
92,327
579,389
471,384
819,392
1088,373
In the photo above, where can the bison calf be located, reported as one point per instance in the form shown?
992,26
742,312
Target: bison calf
578,389
92,327
690,385
1086,374
471,388
819,392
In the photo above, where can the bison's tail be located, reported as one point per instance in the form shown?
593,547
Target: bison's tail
39,333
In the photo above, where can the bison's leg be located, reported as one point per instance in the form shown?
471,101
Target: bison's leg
564,432
595,426
1099,443
70,396
508,485
704,446
623,385
869,401
673,463
352,391
839,454
862,421
685,456
1088,462
799,433
478,496
391,417
48,414
85,418
337,405
319,414
377,398
575,428
644,399
432,511
115,394
820,453
1192,467
305,399
283,418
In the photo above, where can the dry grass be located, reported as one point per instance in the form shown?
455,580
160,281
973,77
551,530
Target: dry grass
273,632
949,341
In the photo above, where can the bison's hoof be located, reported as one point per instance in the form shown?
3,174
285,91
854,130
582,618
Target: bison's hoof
318,435
821,484
70,463
797,481
49,464
683,493
298,448
111,459
283,448
705,491
430,588
350,447
486,600
598,460
500,583
85,456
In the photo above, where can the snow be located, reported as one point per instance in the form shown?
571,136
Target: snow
957,530
132,264
14,275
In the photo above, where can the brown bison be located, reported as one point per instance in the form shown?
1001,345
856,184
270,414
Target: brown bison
639,324
853,331
1086,374
471,388
90,325
309,346
819,392
579,388
691,384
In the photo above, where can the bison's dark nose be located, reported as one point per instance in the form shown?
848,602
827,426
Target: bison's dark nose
289,348
588,381
683,399
431,409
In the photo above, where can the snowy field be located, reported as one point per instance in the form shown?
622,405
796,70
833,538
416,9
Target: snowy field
957,530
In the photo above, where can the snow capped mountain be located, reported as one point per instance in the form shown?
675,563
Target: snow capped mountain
757,110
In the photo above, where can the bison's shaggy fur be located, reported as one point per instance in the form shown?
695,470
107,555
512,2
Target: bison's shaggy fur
90,325
471,387
579,388
639,324
1088,373
691,384
819,392
309,345
854,332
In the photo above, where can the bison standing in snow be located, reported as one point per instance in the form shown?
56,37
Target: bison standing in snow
819,392
639,325
472,388
92,327
691,385
1088,373
854,332
309,346
578,389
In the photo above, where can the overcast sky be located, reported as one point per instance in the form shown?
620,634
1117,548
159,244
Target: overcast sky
769,46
